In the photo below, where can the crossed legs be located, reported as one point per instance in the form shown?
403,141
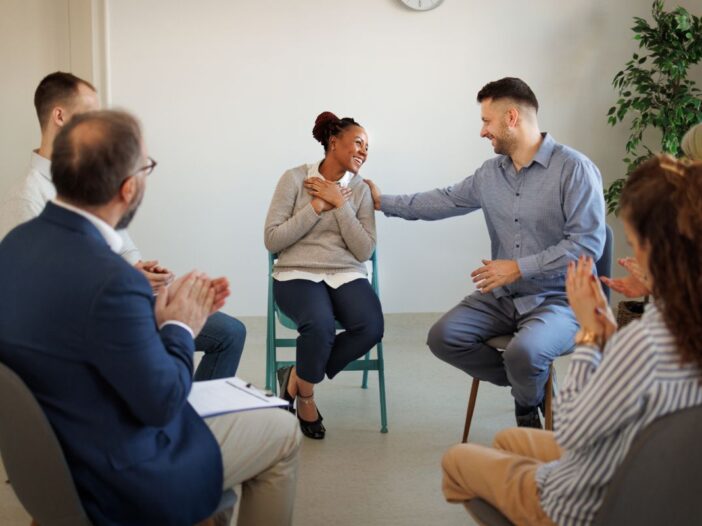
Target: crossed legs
315,308
503,475
544,333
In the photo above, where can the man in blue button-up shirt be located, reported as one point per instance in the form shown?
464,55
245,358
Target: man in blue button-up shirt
544,206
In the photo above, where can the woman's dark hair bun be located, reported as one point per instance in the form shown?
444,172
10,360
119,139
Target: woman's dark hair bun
323,124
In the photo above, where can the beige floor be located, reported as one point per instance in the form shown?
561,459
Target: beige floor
358,475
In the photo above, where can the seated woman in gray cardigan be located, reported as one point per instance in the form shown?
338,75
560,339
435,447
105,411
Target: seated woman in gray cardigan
321,224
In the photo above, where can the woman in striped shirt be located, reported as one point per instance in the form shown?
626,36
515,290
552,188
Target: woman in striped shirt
617,382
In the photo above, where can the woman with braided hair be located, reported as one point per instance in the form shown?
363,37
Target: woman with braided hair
618,382
321,224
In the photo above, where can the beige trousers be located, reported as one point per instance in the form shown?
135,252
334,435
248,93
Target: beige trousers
502,475
259,451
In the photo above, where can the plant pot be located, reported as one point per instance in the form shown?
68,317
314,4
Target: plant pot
628,311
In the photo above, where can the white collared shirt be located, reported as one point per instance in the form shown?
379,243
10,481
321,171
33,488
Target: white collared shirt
114,240
333,280
28,197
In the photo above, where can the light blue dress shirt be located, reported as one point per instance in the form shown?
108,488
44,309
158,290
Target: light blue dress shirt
542,217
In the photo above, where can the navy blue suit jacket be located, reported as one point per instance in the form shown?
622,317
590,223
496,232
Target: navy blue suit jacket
77,325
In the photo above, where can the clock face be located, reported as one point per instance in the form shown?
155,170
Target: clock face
422,5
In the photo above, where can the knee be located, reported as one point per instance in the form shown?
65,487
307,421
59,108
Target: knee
234,330
373,329
520,362
502,438
436,339
323,327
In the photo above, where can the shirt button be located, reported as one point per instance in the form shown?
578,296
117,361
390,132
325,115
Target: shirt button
517,246
517,194
516,220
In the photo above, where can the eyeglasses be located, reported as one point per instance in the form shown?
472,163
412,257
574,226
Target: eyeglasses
148,168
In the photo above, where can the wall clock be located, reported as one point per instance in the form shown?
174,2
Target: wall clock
422,5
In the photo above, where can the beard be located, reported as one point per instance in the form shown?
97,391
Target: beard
126,219
504,143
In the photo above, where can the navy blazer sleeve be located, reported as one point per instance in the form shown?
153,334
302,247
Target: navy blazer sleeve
150,370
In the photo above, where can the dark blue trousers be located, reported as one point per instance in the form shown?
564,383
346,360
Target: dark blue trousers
315,307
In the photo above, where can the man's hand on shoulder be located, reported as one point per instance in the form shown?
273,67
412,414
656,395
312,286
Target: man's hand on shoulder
375,193
158,276
189,300
495,273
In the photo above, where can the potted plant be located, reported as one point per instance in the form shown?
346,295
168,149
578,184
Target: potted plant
656,97
655,92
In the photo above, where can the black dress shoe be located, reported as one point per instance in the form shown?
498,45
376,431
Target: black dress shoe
283,380
529,420
313,429
527,416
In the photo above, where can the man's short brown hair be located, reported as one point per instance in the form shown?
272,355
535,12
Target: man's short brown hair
509,88
56,88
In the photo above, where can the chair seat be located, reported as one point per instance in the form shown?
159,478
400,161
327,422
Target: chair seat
487,514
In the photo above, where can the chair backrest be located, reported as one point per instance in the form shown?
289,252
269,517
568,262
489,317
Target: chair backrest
604,264
34,459
660,478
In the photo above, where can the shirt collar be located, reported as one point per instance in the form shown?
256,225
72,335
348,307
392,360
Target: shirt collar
41,165
313,171
114,240
543,154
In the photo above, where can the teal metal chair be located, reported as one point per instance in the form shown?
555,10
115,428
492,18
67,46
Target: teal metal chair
364,364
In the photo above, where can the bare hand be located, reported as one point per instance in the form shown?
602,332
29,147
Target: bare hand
157,275
635,285
189,300
375,193
327,190
588,301
222,292
495,274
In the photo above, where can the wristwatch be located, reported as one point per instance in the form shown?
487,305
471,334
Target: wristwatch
589,338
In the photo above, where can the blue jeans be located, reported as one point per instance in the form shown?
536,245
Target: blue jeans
315,308
542,335
222,340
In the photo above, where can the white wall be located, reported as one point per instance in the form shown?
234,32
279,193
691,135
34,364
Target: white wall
228,92
38,37
34,40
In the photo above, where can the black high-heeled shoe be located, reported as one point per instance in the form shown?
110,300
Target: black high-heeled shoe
284,374
313,429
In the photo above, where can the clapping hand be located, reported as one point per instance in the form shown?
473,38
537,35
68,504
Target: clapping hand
157,275
221,289
189,300
634,285
588,301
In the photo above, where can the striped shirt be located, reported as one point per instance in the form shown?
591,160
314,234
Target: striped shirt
605,402
542,217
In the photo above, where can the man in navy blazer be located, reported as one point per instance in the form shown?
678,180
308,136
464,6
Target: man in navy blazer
112,367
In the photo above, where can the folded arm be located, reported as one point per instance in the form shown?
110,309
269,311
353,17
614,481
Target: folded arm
283,226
